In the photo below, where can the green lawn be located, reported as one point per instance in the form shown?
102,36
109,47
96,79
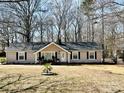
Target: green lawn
70,79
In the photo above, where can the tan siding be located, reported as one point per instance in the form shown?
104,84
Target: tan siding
99,55
11,56
52,47
83,57
30,56
66,56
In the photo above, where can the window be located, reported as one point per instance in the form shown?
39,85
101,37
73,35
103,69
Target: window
75,55
48,55
91,55
21,56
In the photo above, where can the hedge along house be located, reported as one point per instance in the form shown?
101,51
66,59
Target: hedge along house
81,52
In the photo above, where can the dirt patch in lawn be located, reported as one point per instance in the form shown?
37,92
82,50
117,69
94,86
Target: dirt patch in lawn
70,79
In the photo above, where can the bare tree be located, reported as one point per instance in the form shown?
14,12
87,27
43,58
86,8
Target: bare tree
24,13
61,14
6,28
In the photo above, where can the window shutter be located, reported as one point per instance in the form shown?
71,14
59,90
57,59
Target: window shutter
71,55
87,55
25,55
95,55
16,55
39,54
79,55
56,55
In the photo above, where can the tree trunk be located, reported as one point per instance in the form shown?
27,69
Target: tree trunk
92,31
52,34
79,33
8,42
16,37
59,36
89,30
41,32
65,37
28,36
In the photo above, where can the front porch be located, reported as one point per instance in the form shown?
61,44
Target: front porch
52,53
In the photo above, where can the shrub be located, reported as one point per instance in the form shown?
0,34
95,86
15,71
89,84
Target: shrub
3,60
47,68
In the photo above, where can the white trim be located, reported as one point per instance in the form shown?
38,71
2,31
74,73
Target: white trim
89,55
65,59
36,58
49,45
52,53
77,55
23,55
68,58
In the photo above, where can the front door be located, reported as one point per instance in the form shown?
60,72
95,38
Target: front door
63,56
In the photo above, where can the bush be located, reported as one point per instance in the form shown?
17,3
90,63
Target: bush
3,60
47,68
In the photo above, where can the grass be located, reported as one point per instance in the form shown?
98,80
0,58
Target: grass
70,79
119,69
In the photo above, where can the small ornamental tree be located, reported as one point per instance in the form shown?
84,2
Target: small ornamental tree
47,68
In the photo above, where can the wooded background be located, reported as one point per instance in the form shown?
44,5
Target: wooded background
28,21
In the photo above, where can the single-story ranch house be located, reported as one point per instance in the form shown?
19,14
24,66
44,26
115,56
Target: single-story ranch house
65,52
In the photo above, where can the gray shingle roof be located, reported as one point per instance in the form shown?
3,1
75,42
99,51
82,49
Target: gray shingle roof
81,46
68,46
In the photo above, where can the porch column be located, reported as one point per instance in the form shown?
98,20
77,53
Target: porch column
68,57
35,58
